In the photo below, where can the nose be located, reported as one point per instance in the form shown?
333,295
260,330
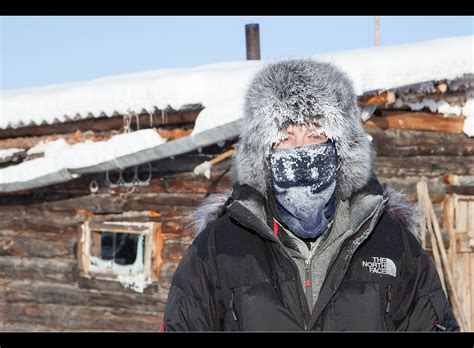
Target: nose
300,140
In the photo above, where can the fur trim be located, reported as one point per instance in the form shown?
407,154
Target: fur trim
302,91
208,211
406,213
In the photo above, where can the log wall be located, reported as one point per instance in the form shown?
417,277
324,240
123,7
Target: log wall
39,283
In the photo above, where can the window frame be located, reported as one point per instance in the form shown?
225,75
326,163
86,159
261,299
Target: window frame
152,260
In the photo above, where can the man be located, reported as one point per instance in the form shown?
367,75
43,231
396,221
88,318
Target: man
308,239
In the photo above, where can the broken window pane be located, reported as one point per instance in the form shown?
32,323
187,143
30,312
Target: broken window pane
120,247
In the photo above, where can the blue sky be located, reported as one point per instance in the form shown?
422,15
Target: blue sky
47,50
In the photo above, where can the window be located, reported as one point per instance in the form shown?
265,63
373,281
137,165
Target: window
126,252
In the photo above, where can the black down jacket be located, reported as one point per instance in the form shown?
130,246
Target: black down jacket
237,276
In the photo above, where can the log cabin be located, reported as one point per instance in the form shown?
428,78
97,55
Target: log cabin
98,178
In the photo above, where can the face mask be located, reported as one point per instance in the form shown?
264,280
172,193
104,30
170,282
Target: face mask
304,181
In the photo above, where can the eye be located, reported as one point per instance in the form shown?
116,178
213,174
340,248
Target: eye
318,137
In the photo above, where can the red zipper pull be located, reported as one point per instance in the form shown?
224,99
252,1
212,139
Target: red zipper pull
308,274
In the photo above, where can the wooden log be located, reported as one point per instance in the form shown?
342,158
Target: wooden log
74,138
171,134
429,166
406,143
173,250
21,327
461,190
458,180
418,121
63,223
37,244
101,124
457,98
385,98
37,269
97,318
72,295
69,138
167,273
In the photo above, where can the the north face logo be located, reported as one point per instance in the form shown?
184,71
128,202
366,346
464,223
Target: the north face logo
381,265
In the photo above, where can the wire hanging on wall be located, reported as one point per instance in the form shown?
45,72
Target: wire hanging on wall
128,177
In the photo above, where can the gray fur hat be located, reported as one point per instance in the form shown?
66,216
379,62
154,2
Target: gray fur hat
302,91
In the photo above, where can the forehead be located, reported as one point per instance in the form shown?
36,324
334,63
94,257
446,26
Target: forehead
302,127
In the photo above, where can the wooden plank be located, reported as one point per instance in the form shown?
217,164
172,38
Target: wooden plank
461,212
119,228
448,221
470,219
466,286
418,121
96,244
471,280
450,285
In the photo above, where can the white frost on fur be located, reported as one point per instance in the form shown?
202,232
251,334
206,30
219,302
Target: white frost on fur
208,211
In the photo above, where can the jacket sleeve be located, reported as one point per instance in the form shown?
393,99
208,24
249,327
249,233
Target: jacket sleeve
192,300
424,306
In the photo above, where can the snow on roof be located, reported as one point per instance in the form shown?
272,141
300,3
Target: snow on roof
220,87
58,155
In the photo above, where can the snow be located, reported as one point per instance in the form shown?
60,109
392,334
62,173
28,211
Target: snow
387,67
220,88
5,153
59,155
468,111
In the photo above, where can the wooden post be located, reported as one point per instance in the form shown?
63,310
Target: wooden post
376,31
434,229
252,38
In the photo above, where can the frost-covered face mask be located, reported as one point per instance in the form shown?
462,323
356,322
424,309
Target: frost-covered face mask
304,181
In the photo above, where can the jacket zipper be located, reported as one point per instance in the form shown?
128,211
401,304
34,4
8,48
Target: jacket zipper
308,284
231,305
388,301
388,297
371,217
302,300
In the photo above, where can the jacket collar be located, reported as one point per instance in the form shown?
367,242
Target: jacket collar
249,207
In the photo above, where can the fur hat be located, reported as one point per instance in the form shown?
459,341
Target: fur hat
302,91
